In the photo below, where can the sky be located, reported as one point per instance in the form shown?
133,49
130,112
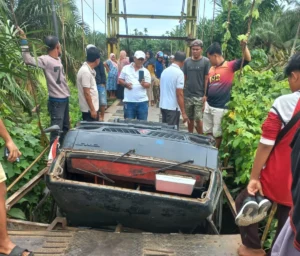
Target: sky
155,7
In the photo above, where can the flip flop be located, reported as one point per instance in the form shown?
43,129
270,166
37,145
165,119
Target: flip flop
17,251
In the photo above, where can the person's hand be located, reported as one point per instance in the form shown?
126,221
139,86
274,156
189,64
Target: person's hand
21,32
185,118
94,114
204,98
128,86
244,42
142,83
14,152
254,186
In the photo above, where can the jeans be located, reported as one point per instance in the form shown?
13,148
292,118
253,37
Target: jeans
136,110
102,95
59,114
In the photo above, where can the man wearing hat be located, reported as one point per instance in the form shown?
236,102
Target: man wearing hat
87,87
195,70
58,90
136,79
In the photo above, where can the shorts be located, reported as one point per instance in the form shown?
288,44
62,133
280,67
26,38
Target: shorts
171,117
2,174
193,108
102,95
212,119
86,116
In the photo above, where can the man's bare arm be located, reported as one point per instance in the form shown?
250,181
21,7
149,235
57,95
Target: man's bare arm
180,100
14,152
28,59
123,83
88,98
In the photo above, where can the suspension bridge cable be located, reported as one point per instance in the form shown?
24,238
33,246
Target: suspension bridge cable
94,12
82,27
126,25
203,20
182,12
213,24
94,22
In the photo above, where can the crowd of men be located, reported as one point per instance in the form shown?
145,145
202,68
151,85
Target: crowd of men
197,88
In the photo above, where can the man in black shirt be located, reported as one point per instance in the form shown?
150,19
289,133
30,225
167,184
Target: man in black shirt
101,82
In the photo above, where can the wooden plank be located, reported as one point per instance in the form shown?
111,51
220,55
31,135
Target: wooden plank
40,233
28,225
267,227
55,245
14,198
230,199
27,169
43,254
50,250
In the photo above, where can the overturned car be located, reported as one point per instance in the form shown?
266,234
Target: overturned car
141,175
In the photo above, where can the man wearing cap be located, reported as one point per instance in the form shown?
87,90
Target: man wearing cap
195,70
58,90
135,92
87,87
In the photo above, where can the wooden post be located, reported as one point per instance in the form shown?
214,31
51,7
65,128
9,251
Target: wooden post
195,10
267,228
108,8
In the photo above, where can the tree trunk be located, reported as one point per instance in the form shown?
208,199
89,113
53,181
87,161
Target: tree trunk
295,41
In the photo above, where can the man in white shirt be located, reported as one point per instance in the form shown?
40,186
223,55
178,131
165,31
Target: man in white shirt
135,93
171,91
87,88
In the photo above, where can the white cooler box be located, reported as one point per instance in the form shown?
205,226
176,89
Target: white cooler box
174,184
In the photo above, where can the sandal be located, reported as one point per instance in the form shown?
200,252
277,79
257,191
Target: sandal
17,251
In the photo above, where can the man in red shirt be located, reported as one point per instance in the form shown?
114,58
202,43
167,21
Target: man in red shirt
220,78
271,172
